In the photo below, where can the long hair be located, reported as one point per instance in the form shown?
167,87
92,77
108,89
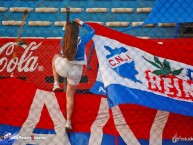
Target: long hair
70,40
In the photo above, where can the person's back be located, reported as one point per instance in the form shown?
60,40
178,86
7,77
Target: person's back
79,57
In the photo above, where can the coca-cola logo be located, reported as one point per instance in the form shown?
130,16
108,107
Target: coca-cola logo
26,63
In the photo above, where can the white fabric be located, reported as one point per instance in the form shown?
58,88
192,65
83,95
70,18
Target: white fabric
72,72
157,127
78,62
123,128
42,99
81,23
100,121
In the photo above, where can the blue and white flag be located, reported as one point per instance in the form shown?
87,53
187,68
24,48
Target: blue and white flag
98,87
145,72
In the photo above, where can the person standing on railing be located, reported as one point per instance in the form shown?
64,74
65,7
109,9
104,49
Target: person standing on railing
70,64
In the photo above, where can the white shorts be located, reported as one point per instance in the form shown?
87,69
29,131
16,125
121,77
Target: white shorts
72,72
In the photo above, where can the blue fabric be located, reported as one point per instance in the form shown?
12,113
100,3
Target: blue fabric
98,88
89,57
83,41
79,138
80,54
144,98
171,11
76,138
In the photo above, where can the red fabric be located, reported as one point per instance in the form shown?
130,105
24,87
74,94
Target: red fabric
16,97
166,50
44,53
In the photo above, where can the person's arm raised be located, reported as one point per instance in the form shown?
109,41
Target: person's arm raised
91,33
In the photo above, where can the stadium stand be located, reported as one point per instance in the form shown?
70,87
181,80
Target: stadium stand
46,17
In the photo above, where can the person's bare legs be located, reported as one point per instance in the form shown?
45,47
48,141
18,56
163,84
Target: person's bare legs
71,89
55,74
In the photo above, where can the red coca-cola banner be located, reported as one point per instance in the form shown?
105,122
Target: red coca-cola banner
33,61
